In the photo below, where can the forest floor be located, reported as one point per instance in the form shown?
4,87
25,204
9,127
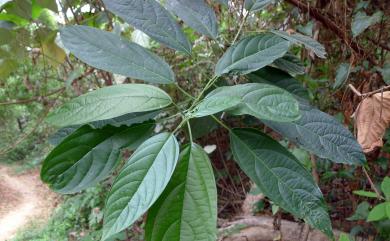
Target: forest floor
23,199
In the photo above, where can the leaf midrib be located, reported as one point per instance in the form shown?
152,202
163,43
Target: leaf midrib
266,166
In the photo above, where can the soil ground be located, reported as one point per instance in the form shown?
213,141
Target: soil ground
23,198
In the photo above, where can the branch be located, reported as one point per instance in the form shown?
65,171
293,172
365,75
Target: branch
367,94
36,98
380,44
331,25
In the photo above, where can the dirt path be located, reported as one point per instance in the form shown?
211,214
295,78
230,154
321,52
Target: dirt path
23,198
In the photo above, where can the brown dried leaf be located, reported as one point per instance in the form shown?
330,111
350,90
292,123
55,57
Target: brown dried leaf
372,119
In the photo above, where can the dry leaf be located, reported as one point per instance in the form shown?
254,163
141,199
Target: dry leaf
372,120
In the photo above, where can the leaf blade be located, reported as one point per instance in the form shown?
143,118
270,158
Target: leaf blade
280,176
361,22
260,100
81,161
308,42
256,5
151,18
190,198
322,135
213,105
109,102
252,53
149,168
270,75
197,14
110,52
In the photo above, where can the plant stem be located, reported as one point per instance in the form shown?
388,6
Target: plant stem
208,85
372,183
240,28
221,123
184,92
189,130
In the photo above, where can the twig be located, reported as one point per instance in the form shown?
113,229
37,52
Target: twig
364,95
333,26
37,98
240,28
314,168
354,90
373,187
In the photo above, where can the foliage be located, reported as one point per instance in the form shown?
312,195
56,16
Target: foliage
110,94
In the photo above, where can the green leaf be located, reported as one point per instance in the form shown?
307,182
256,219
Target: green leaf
88,155
109,102
202,126
342,74
291,64
140,182
259,100
61,134
252,53
187,209
49,4
270,75
322,135
151,18
110,52
361,22
125,120
14,19
256,5
377,213
212,105
280,176
196,14
307,41
344,237
388,210
361,212
385,186
365,193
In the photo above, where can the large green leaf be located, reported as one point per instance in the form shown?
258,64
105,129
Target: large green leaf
140,182
110,52
252,53
88,155
126,120
280,176
291,64
187,209
212,105
321,134
308,42
361,22
109,102
259,100
279,78
256,5
61,134
151,18
197,14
